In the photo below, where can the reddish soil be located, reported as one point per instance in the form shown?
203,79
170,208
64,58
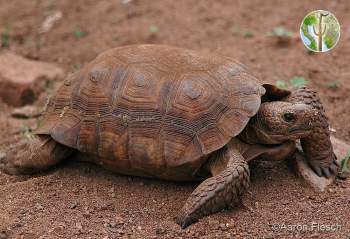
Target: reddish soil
79,200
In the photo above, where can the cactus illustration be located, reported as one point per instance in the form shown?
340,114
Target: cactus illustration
320,32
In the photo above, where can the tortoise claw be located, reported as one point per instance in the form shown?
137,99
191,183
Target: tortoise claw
334,167
184,220
336,163
326,172
317,170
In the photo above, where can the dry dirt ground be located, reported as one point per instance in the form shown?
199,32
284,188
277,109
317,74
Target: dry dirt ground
78,200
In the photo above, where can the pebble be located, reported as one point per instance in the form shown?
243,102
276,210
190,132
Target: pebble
223,226
49,21
58,230
160,231
26,112
38,206
104,206
73,205
113,224
344,175
311,197
79,226
213,223
106,223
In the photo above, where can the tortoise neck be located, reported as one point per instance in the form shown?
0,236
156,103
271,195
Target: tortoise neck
254,133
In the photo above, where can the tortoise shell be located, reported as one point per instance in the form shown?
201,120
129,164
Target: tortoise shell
149,109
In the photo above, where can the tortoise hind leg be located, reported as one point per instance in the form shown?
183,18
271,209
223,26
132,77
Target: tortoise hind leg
230,179
32,156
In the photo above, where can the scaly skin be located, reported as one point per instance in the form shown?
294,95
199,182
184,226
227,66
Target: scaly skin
34,155
219,191
317,146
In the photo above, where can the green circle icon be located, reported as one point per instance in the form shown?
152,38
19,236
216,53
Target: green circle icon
320,31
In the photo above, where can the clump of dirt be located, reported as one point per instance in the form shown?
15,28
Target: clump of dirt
79,200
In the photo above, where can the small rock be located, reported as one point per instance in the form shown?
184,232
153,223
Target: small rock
106,224
50,21
38,206
160,231
113,224
311,197
223,227
26,112
58,230
344,175
17,224
22,80
112,229
87,212
213,223
73,205
79,226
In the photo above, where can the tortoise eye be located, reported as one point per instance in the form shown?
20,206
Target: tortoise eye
289,117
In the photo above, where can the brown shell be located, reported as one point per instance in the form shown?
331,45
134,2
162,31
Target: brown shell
153,107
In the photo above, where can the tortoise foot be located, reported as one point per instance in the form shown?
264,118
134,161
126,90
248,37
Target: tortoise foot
7,166
10,161
323,169
33,156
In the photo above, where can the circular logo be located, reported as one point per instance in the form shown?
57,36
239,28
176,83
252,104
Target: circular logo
320,31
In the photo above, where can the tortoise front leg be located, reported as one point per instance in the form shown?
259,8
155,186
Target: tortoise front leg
230,179
317,146
34,155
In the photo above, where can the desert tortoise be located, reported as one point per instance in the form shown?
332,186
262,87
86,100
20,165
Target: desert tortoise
175,114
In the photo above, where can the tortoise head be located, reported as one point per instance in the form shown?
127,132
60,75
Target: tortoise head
279,121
